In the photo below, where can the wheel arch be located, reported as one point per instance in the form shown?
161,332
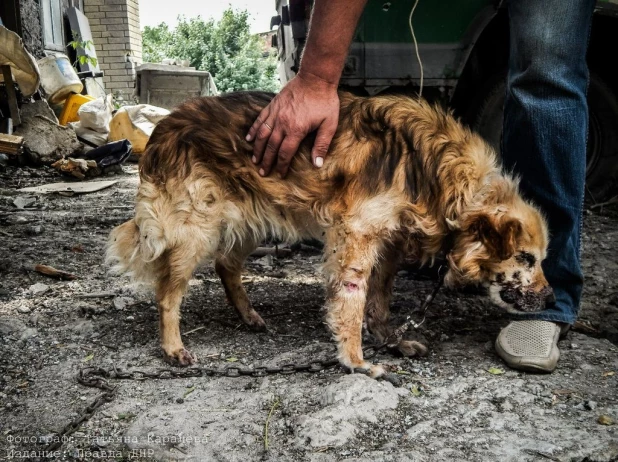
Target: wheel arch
488,54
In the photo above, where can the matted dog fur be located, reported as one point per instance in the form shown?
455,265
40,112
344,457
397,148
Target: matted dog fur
401,177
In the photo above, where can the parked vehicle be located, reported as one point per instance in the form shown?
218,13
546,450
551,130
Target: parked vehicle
463,46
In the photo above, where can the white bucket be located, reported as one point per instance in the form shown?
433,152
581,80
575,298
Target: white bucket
58,78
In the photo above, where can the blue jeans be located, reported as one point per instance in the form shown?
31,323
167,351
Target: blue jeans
545,131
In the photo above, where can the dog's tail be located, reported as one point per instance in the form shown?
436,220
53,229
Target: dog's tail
135,247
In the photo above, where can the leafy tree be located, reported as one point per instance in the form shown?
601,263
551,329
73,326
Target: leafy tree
225,48
156,42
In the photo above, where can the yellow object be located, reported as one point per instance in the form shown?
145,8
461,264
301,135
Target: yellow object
135,123
71,106
121,128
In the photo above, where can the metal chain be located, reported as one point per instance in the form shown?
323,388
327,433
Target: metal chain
109,393
397,334
97,377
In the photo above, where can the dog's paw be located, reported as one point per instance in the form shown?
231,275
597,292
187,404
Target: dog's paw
410,348
376,371
255,322
181,357
372,370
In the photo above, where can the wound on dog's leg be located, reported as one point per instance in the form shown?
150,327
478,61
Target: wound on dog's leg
349,269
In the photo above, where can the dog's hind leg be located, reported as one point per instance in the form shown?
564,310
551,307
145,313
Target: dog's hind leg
174,270
350,258
377,310
229,268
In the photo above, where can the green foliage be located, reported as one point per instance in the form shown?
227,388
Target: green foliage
225,48
84,46
156,43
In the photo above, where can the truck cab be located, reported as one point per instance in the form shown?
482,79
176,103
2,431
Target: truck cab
463,48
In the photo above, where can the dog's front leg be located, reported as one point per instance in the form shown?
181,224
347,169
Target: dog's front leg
350,258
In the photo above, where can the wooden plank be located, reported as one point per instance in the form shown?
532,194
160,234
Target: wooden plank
10,91
11,139
10,144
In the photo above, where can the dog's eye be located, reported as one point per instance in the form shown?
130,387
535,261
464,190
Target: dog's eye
526,258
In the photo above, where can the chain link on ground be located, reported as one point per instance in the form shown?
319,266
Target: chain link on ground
98,377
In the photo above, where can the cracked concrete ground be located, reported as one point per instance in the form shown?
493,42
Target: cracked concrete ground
449,407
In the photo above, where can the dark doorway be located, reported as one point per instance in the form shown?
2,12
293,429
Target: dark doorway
9,13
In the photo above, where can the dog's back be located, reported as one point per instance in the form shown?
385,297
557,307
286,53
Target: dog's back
198,183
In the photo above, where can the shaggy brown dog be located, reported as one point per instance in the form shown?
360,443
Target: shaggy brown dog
401,177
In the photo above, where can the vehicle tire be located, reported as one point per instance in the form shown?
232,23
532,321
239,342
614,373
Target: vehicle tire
485,116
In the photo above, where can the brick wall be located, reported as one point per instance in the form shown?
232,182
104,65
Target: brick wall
118,41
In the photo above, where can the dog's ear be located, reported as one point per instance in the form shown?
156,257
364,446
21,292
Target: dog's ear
500,238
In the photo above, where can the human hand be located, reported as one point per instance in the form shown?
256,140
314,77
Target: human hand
305,104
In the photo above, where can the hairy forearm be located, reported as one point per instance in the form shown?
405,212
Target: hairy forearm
333,23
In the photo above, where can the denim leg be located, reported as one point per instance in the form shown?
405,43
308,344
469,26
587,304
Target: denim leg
545,131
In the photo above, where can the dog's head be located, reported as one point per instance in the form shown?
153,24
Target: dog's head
501,248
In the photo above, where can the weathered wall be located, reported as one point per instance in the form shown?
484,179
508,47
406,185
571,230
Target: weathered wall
31,27
32,31
118,41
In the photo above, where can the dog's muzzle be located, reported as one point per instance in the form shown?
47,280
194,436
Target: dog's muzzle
528,300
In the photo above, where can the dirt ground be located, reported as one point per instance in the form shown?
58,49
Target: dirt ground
460,403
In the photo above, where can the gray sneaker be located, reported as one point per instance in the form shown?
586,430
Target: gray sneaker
530,345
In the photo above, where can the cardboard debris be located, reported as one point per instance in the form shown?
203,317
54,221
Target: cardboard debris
70,188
